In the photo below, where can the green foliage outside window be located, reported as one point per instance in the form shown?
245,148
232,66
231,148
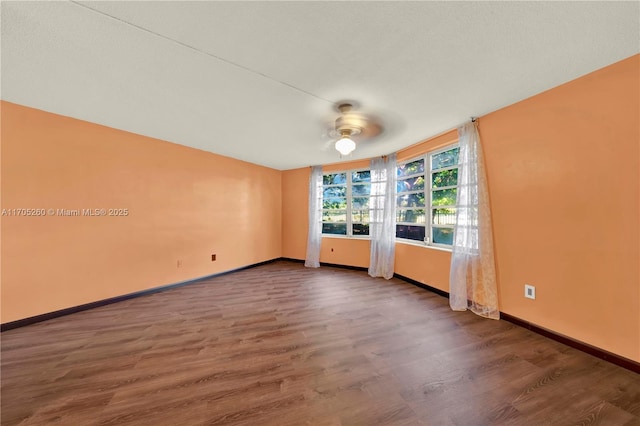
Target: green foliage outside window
439,197
342,214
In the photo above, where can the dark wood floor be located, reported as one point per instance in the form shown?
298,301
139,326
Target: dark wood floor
284,345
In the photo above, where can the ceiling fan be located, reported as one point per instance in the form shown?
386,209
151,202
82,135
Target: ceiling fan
353,126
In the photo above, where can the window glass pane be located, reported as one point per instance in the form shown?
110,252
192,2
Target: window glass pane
334,191
334,216
363,176
334,179
443,235
443,216
410,216
360,229
445,159
411,184
411,200
410,232
444,197
360,203
361,216
444,178
334,228
334,203
358,190
411,168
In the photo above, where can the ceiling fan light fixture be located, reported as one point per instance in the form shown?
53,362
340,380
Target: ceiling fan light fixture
345,145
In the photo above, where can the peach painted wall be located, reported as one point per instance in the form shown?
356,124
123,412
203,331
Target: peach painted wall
426,265
345,251
183,205
563,170
295,208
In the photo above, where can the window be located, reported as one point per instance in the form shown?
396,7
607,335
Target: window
425,201
426,208
345,203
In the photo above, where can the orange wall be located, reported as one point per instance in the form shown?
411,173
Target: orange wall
184,205
295,208
295,226
345,251
563,170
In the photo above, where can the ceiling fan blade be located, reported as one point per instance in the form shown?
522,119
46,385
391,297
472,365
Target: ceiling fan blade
372,130
362,126
328,145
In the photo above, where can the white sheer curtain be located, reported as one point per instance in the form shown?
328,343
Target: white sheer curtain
382,217
314,237
473,277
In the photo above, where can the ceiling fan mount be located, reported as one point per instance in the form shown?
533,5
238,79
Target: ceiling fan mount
351,124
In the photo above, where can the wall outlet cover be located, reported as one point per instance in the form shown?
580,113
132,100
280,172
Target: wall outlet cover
529,291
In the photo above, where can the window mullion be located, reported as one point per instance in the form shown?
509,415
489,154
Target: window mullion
415,191
428,199
411,176
442,188
444,169
349,206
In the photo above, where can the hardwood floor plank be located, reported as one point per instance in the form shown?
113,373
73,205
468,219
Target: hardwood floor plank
281,344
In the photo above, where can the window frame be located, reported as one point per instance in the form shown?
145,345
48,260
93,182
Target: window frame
428,186
428,207
349,198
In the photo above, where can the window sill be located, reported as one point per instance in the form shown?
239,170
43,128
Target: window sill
423,245
398,241
346,237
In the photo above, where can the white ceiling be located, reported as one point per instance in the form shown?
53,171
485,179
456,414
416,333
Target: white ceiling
256,80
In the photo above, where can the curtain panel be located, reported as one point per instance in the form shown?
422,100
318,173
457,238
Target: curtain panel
473,278
314,237
382,217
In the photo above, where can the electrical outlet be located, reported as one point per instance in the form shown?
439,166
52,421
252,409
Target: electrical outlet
529,291
179,263
213,257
